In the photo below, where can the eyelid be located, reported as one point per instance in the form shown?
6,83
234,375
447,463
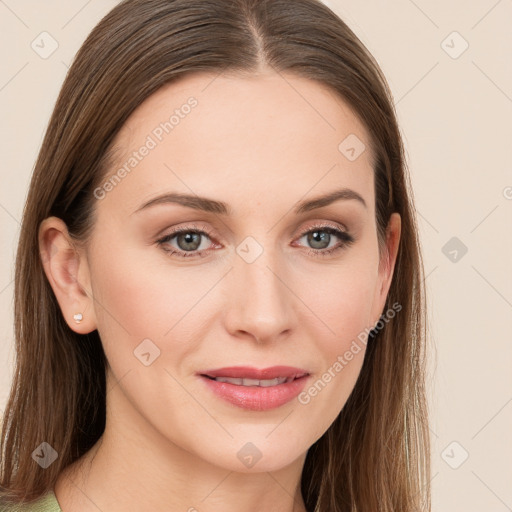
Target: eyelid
323,224
193,226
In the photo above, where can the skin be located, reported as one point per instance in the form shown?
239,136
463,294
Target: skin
260,144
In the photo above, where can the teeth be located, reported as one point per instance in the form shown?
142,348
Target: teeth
254,382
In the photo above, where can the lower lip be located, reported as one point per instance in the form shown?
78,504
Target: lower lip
256,398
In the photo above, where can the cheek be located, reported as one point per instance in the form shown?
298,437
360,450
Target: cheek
342,358
349,312
343,306
342,299
137,299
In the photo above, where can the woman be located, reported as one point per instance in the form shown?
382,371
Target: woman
218,290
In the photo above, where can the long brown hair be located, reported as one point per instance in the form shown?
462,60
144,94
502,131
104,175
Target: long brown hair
376,454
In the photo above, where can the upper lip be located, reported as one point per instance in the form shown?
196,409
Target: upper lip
249,372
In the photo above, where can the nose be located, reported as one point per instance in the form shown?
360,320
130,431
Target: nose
260,305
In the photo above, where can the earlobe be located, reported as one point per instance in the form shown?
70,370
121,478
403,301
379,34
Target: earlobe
67,272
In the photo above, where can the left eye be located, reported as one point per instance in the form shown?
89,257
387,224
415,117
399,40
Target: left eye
189,241
322,236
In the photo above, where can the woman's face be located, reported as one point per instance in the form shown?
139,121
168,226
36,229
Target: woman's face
253,280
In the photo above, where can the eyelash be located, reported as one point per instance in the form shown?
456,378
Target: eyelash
346,240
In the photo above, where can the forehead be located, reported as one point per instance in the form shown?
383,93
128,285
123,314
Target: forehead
272,136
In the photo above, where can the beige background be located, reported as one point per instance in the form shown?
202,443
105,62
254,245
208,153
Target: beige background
454,109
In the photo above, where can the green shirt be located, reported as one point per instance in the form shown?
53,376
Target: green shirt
46,503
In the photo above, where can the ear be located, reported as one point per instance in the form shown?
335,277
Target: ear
386,266
68,274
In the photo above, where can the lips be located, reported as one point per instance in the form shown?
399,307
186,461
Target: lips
256,389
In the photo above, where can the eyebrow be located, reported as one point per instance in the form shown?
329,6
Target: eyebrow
219,207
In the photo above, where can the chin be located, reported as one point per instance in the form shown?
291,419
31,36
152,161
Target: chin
257,454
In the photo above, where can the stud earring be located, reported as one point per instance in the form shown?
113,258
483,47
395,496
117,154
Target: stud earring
78,317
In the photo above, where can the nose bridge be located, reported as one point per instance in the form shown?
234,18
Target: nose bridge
261,304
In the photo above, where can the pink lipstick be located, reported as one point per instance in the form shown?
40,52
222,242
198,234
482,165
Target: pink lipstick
256,389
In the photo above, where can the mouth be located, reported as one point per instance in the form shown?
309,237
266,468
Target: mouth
256,389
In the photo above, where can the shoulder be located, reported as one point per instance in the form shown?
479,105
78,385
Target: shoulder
46,503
